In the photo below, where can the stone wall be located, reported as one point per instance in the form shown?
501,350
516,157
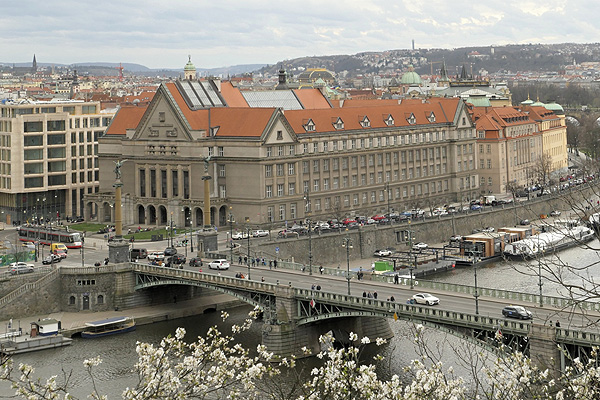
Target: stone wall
42,300
327,248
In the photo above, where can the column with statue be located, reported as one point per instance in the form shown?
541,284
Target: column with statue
118,249
207,236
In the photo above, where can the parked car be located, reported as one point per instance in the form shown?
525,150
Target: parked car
524,222
218,264
260,233
76,219
51,259
420,246
516,312
383,253
170,251
287,234
425,298
156,256
240,235
476,207
196,262
18,268
555,213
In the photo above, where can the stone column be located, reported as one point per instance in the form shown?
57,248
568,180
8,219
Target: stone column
543,349
118,249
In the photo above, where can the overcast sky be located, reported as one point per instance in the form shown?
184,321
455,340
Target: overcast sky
161,33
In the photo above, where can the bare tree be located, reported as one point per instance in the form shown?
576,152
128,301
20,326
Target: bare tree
542,171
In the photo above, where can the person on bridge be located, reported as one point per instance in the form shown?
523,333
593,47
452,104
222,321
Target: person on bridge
364,294
375,294
557,324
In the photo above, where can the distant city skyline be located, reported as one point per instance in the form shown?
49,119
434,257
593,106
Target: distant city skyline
161,34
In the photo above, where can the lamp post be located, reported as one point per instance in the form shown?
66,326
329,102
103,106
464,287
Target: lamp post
347,243
307,213
540,284
412,268
83,251
171,226
230,220
387,190
248,235
476,294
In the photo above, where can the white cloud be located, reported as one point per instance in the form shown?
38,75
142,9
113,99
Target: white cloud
158,34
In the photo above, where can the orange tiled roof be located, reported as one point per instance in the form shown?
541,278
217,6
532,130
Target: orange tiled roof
311,98
443,109
128,117
232,95
241,122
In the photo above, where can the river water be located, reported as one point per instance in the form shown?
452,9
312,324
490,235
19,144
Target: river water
118,352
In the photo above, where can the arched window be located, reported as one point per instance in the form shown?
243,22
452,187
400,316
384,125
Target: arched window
72,300
100,299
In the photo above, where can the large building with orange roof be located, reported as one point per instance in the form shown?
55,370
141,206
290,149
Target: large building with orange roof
511,142
268,150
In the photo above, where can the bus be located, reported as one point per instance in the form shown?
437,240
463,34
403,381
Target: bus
46,235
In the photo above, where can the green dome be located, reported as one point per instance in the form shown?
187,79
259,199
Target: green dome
538,103
554,107
527,102
189,66
411,77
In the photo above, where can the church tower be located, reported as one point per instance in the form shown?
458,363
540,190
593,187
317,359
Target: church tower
189,70
34,65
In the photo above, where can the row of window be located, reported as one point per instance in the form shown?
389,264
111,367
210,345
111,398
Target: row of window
334,183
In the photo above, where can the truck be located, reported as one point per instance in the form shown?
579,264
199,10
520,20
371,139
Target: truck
489,200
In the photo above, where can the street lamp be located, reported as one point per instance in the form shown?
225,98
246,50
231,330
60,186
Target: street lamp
307,213
387,189
540,284
476,294
171,226
230,220
248,235
347,243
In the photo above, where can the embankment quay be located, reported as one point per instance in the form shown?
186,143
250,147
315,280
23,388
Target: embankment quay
294,315
326,249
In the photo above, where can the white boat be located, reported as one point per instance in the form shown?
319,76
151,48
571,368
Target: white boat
563,235
43,335
109,326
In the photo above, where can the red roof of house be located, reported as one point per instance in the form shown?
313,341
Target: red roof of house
128,117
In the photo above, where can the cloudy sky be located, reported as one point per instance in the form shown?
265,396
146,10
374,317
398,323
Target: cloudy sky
161,33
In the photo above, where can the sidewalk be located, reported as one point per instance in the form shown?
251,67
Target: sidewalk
73,322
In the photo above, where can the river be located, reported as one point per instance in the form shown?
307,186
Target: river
118,352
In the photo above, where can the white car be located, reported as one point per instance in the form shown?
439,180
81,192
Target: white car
260,233
382,253
239,235
218,264
156,256
425,298
420,246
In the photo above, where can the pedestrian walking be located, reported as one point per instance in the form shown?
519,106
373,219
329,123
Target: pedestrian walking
392,298
245,259
270,264
321,269
396,279
275,264
312,287
239,259
557,324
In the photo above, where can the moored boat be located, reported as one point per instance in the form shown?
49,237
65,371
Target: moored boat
109,326
563,235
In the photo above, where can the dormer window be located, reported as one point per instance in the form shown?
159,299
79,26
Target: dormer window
338,123
411,119
309,126
389,120
365,123
431,117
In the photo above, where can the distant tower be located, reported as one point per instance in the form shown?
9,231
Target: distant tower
282,80
120,68
189,70
34,65
492,50
413,44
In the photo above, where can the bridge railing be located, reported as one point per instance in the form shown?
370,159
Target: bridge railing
183,274
414,311
551,301
577,337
